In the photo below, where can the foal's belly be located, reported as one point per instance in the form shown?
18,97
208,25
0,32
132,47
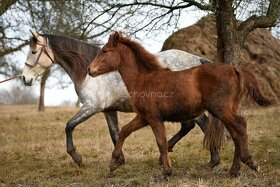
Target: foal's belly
181,116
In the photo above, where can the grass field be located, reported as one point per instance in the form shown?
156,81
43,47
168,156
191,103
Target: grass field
33,152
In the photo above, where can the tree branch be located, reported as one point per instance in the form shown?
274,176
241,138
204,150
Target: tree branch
10,50
253,22
207,7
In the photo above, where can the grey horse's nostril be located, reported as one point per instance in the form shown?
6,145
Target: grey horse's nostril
23,78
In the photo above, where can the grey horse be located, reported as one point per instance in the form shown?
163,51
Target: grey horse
105,93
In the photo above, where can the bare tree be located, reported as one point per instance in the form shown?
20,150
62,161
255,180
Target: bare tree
88,20
231,34
154,16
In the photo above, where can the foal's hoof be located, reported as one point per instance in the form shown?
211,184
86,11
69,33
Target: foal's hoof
164,176
234,173
255,167
252,165
116,162
167,172
211,165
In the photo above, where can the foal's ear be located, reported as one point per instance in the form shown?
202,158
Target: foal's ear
116,38
34,33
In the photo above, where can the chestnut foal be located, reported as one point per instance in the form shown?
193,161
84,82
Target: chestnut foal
186,94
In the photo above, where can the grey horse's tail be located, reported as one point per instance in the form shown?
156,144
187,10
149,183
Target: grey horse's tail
214,133
204,60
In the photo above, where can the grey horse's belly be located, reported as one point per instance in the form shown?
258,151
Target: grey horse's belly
124,106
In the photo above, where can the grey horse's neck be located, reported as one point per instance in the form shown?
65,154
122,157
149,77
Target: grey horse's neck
72,55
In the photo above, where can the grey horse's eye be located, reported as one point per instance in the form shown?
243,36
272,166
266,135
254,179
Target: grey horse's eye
34,52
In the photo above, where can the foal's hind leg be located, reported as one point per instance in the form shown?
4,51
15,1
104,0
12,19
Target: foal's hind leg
236,125
245,156
117,155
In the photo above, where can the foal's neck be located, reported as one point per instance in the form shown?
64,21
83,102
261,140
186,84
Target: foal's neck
131,69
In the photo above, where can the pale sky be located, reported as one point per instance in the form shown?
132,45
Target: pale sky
55,96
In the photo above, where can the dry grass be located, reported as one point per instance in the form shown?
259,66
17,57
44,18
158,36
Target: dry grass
33,152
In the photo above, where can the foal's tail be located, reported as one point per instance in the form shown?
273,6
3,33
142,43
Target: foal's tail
251,87
214,135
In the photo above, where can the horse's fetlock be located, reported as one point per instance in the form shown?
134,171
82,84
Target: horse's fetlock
167,171
71,151
246,159
69,127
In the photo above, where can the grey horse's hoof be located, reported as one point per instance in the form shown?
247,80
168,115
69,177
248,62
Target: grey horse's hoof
76,157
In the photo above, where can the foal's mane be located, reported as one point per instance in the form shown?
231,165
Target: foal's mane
77,55
148,59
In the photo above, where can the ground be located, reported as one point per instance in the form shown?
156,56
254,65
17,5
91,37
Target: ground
33,152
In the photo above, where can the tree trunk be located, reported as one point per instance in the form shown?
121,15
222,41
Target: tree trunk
42,91
228,42
77,103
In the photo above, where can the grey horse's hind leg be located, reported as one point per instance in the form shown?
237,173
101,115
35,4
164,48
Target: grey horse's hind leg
186,126
112,121
215,157
83,114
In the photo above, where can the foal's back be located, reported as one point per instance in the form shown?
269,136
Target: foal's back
182,95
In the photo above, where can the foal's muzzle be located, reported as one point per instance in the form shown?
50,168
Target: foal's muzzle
92,73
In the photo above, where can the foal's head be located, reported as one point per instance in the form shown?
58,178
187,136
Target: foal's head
108,58
119,48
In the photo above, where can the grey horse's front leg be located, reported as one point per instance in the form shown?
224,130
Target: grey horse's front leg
112,121
83,114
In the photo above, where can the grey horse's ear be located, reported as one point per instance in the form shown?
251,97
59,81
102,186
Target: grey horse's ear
34,33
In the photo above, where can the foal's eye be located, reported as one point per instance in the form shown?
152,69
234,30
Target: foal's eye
105,51
34,52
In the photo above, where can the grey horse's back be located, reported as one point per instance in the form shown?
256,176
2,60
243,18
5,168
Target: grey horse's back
178,60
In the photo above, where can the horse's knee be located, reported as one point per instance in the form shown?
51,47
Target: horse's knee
69,127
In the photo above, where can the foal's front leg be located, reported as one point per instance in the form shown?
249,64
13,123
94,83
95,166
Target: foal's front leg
83,114
117,155
160,134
